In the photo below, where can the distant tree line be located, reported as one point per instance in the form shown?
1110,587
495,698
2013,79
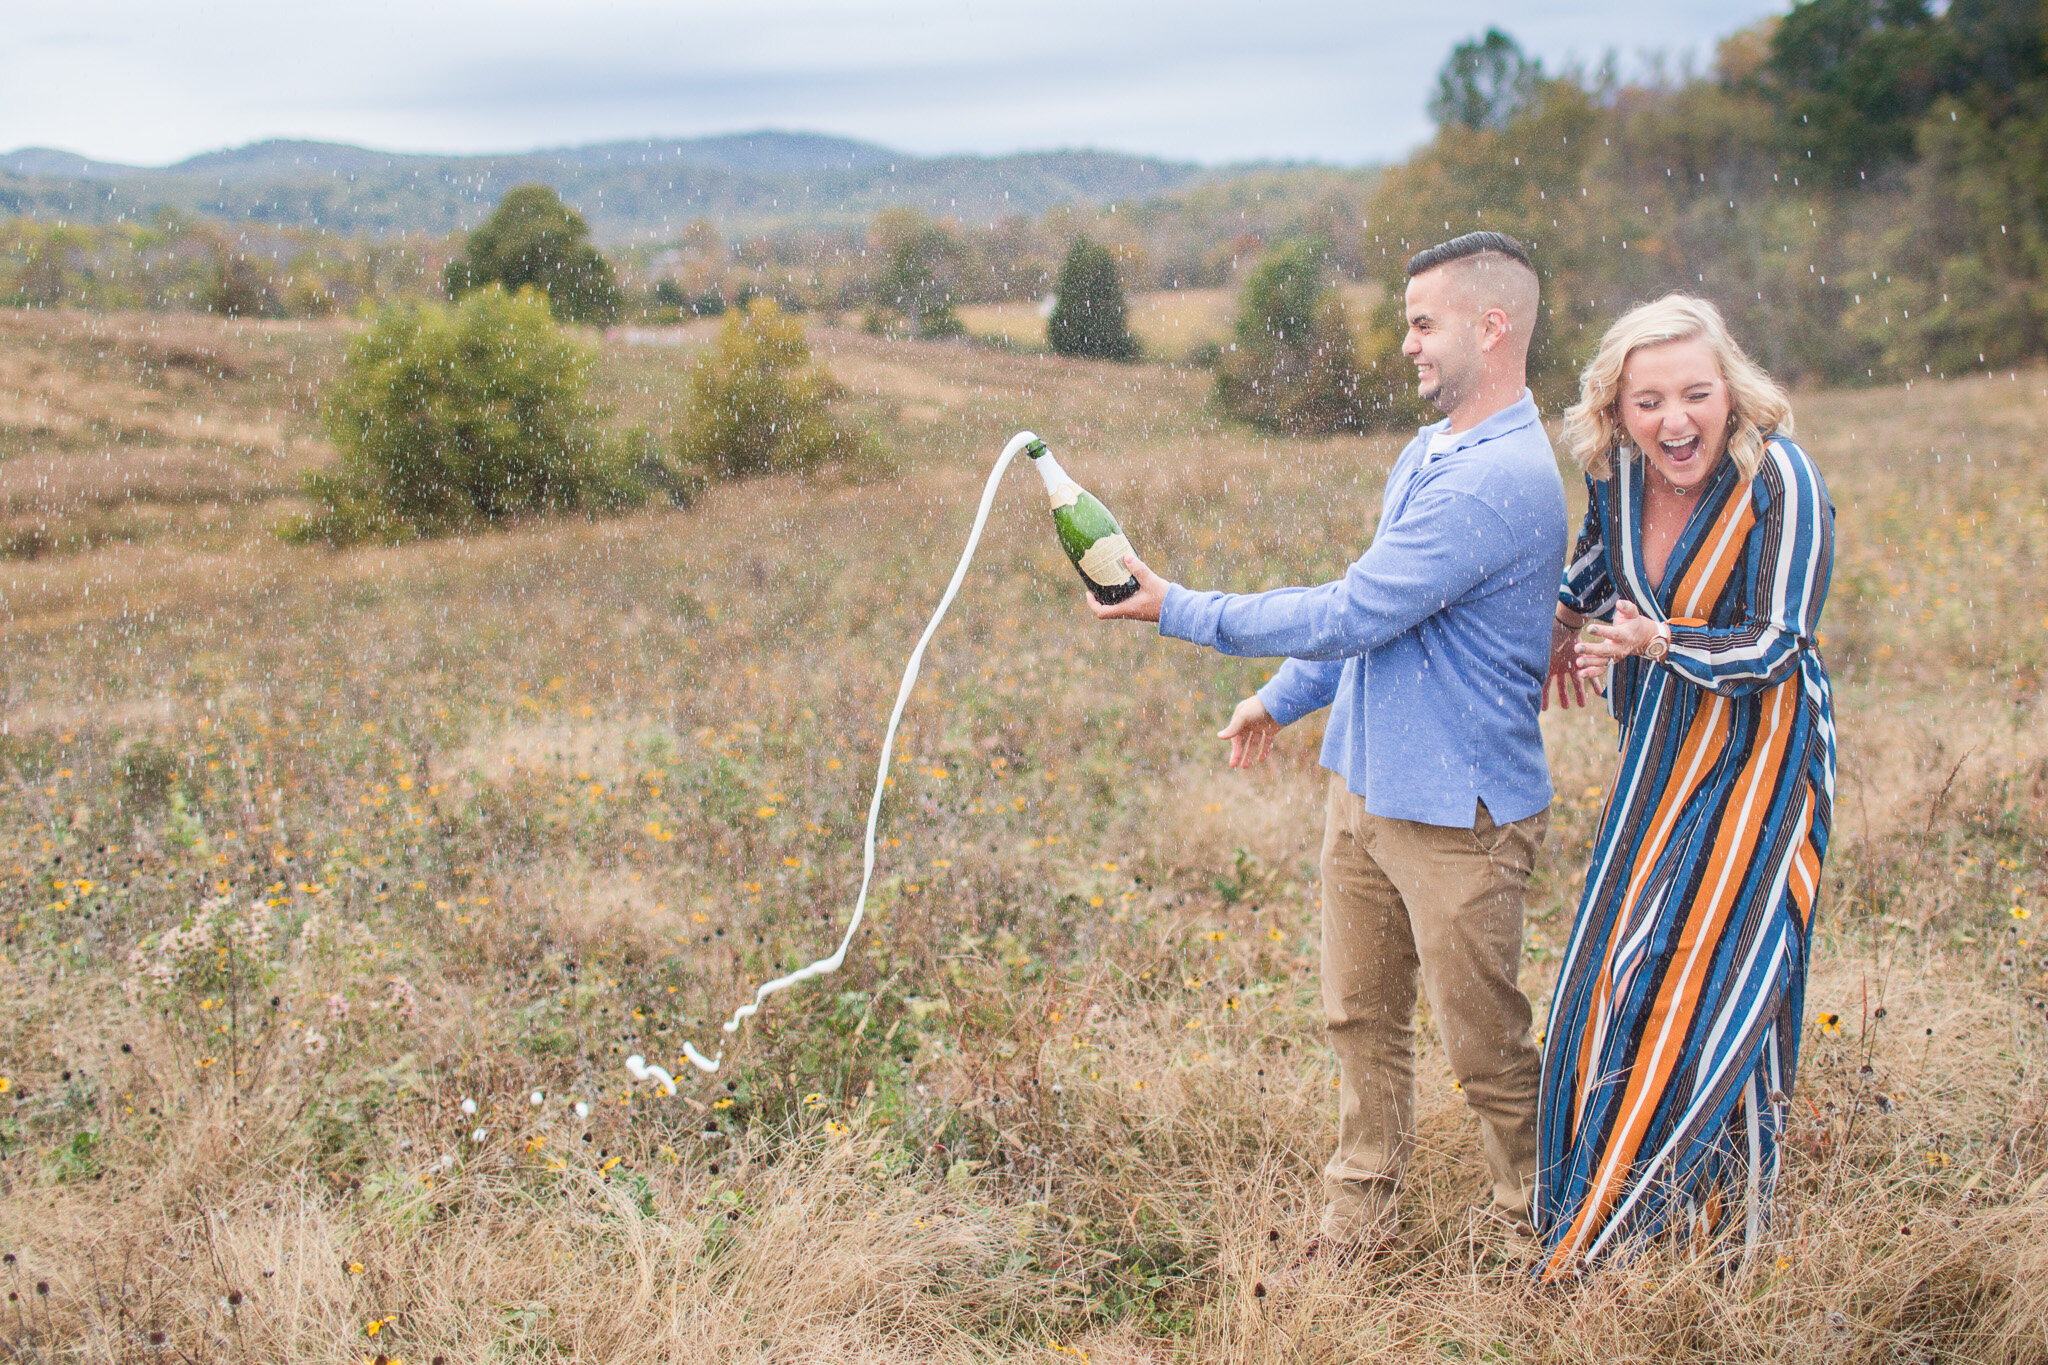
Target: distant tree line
1861,184
179,262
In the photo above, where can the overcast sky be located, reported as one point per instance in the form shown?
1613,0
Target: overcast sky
1333,80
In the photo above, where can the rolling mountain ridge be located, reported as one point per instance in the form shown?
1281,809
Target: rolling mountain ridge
632,190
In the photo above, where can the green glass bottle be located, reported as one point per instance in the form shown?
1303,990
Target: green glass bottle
1088,533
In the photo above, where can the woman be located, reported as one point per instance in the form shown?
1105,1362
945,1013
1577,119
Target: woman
1701,571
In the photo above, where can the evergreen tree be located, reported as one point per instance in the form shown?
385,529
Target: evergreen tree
1089,317
1295,366
1485,83
533,238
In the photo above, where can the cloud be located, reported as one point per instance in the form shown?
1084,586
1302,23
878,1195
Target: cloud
1197,79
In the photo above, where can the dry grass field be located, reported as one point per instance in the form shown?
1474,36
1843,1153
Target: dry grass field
338,885
1170,324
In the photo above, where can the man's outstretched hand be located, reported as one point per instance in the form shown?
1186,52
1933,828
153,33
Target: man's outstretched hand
1251,733
1142,605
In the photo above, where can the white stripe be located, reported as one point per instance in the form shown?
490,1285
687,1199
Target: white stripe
1628,552
1800,501
1753,1222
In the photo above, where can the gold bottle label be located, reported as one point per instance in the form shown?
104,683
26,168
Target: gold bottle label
1104,561
1066,495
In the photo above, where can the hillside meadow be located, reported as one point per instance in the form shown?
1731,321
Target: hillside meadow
1169,324
338,885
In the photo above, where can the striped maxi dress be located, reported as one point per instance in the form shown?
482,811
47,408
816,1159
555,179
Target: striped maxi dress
1675,1027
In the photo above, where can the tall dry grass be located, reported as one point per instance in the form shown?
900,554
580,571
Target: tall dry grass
482,817
1170,324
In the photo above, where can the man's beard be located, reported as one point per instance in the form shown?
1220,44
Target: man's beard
1444,396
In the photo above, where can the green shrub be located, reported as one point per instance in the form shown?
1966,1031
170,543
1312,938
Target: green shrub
918,282
1089,316
756,405
1294,367
447,417
533,238
240,287
48,275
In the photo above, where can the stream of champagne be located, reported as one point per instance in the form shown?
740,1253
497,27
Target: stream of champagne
639,1068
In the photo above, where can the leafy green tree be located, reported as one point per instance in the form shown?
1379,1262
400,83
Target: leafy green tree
1966,261
1089,316
1278,303
755,404
533,238
1485,83
1295,366
919,277
1853,76
451,417
2002,46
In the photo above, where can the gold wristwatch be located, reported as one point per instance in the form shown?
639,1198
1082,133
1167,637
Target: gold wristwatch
1660,644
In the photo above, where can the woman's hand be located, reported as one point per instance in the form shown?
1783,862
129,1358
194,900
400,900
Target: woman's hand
1251,733
1629,633
1142,605
1564,658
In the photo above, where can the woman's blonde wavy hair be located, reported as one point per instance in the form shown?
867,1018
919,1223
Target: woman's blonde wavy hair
1758,408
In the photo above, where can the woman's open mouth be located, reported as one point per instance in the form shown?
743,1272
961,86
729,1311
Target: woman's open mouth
1681,453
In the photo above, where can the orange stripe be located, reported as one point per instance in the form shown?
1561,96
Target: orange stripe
1680,990
1705,578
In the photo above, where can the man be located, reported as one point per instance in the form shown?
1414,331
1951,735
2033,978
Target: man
1431,653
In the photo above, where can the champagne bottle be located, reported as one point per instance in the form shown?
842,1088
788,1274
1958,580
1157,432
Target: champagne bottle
1087,532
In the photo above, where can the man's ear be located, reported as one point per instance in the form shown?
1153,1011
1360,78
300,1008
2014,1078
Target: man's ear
1493,328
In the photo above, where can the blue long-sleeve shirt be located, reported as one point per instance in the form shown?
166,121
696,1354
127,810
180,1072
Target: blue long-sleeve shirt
1432,648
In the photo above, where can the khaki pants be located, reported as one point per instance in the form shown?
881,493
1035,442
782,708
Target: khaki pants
1402,899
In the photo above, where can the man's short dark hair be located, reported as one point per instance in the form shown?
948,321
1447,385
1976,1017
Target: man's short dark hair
1471,244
